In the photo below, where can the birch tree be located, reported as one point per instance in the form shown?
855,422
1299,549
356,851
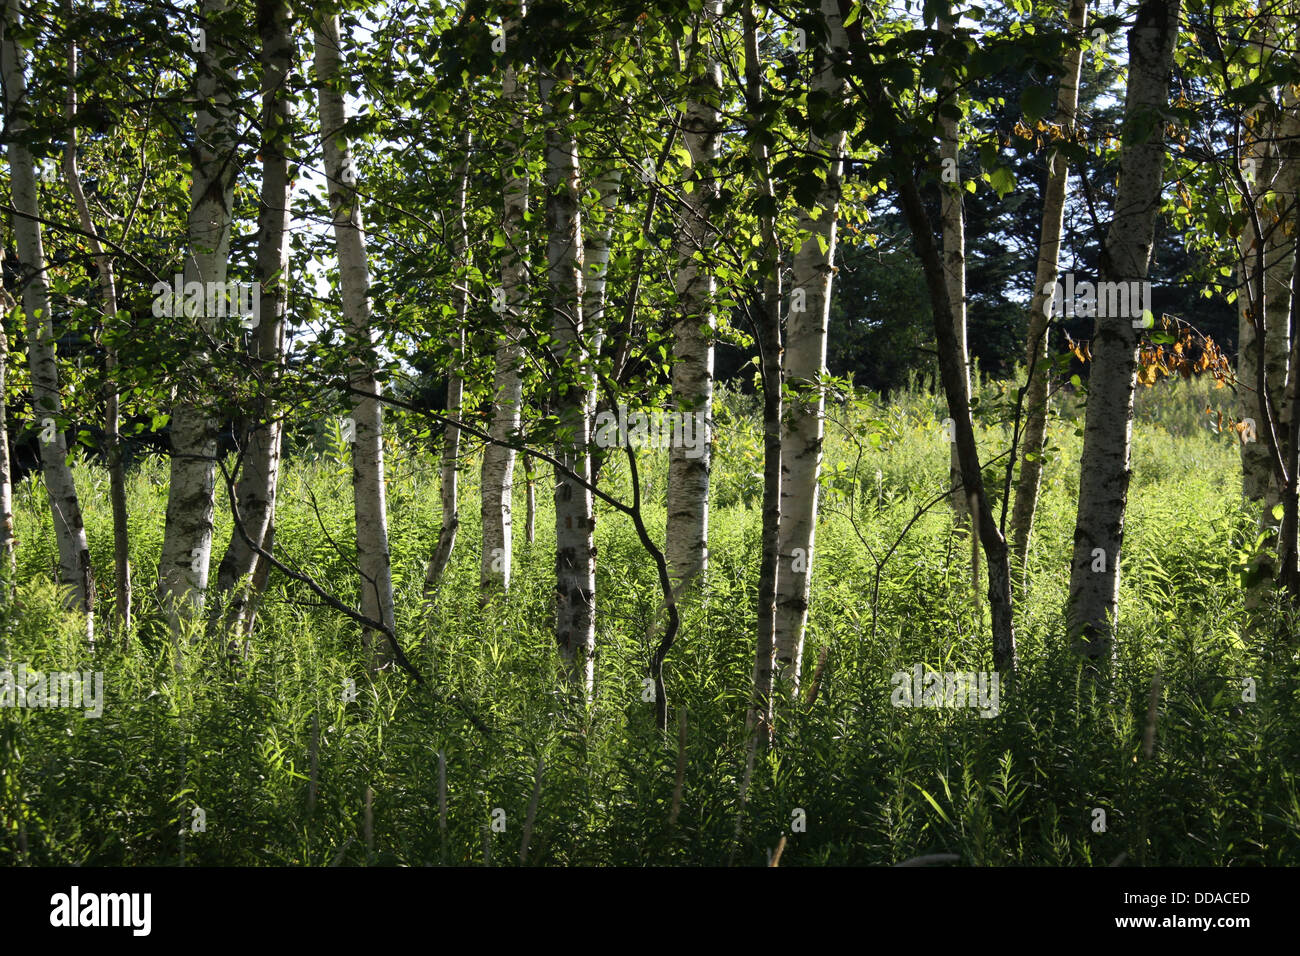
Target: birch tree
7,541
1284,301
767,321
1268,178
497,481
1288,203
950,371
904,156
803,425
258,483
597,232
1265,268
187,535
1093,604
575,552
1266,174
108,308
952,217
368,490
75,571
1045,276
450,466
687,533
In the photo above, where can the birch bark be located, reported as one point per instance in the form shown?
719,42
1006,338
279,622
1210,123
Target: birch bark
368,493
1093,603
759,718
108,308
7,540
687,533
187,536
497,479
575,552
258,483
1046,274
952,215
450,477
803,425
75,571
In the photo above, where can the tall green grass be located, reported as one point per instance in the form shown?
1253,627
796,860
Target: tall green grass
876,784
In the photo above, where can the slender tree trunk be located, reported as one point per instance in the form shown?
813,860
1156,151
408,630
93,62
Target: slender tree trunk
1093,607
1256,461
75,572
952,373
803,426
1049,250
498,478
1288,549
1285,306
1266,272
187,536
687,533
530,501
7,540
575,552
598,230
455,390
952,216
1279,254
369,504
108,307
258,483
759,719
1282,273
596,246
996,553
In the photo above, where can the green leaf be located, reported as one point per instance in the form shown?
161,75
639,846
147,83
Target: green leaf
1003,180
929,799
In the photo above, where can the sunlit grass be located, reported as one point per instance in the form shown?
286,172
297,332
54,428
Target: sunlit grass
876,784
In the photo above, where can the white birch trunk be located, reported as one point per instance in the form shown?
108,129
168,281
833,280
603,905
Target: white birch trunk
7,540
1281,309
455,391
575,553
1045,277
530,502
953,217
75,572
369,504
108,308
1276,167
686,538
596,240
1280,173
803,425
759,717
258,482
187,537
1256,462
1093,607
497,481
598,229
